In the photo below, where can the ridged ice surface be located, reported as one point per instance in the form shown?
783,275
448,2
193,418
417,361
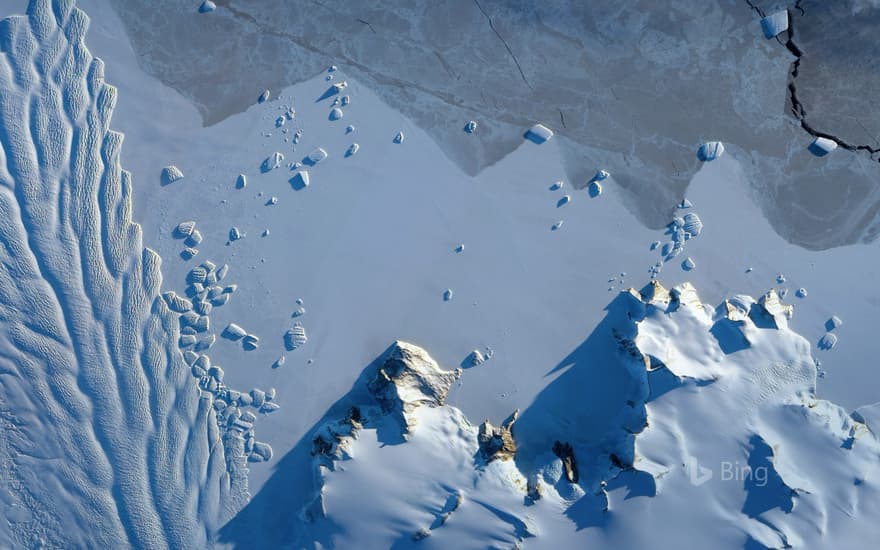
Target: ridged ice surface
105,440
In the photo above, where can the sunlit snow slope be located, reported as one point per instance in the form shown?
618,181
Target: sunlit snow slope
106,442
713,437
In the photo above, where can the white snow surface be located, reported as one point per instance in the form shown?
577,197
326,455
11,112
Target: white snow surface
654,391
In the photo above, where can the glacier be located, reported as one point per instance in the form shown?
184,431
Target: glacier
413,354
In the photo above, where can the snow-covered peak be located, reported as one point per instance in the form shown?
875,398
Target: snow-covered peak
407,379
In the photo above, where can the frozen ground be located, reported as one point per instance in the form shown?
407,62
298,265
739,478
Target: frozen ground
370,253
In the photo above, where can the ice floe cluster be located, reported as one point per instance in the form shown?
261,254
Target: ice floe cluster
207,289
681,229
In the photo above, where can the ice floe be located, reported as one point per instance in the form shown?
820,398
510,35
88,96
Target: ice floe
821,146
538,134
250,342
184,229
300,180
272,162
827,341
316,156
234,332
194,240
710,150
295,337
171,174
692,224
775,23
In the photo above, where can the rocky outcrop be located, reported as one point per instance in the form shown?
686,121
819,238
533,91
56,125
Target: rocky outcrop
333,440
496,442
773,306
565,452
407,379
